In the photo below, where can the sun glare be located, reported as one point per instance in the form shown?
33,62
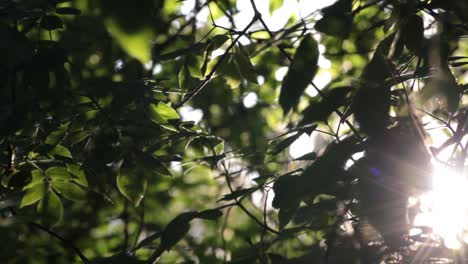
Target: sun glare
445,208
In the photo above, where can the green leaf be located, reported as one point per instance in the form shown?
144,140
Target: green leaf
51,209
277,146
194,65
136,43
238,193
68,11
36,177
186,81
300,73
212,143
56,136
162,113
132,185
33,194
58,173
211,214
275,4
76,171
61,151
51,22
77,137
69,190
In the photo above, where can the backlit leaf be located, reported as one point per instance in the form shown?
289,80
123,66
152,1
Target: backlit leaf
36,177
132,185
61,151
51,209
33,194
69,190
80,176
58,173
162,113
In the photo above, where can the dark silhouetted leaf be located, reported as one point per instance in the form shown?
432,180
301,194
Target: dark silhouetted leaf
218,40
51,22
337,19
276,146
288,191
320,109
176,230
414,34
245,67
300,73
237,194
148,241
18,180
308,156
15,48
229,70
121,258
211,214
285,215
67,11
458,64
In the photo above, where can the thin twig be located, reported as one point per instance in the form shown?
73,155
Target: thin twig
215,67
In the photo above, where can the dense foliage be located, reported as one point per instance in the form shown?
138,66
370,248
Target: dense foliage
104,161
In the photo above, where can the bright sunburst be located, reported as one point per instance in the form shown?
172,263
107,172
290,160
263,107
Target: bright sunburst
445,207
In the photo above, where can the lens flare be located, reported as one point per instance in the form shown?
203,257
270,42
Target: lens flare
445,207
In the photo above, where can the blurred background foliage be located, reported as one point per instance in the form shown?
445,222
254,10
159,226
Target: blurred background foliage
153,130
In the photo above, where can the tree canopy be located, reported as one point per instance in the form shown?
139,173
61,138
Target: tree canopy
223,131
